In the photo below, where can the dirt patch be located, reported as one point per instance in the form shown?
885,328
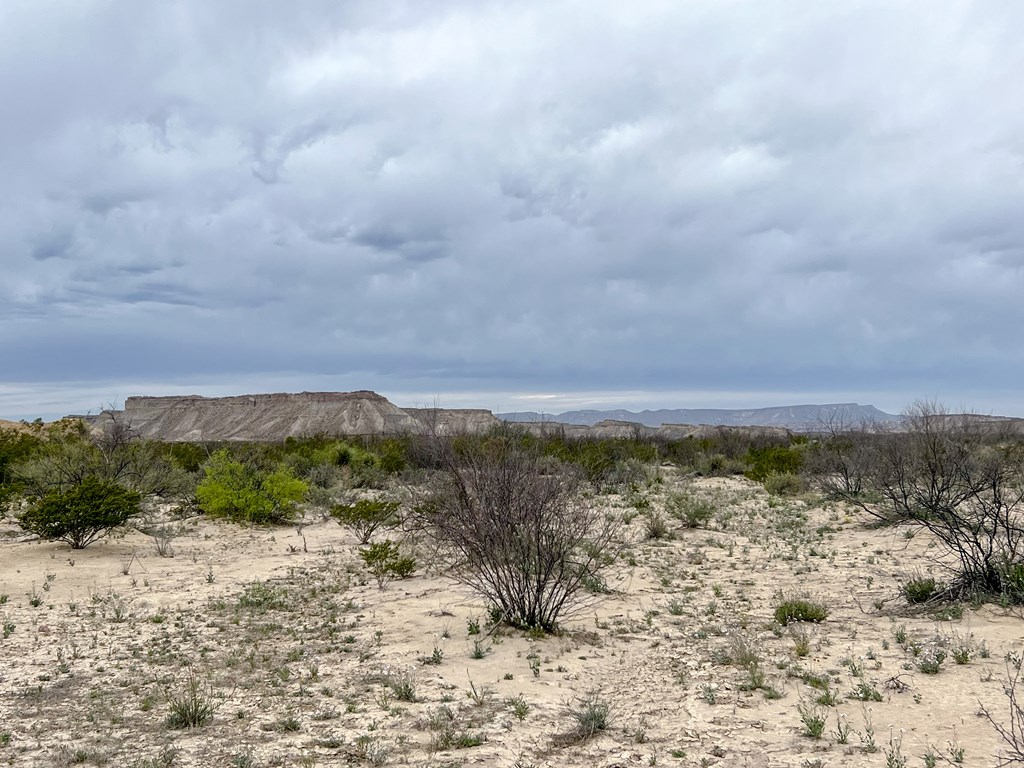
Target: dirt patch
304,661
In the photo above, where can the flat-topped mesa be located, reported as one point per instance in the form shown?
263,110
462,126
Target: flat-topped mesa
266,418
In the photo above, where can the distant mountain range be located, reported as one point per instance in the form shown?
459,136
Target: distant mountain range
796,417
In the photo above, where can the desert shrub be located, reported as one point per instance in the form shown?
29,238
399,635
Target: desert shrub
656,527
591,714
81,514
784,484
799,609
385,562
957,477
774,460
246,494
692,511
919,589
366,516
510,524
17,446
719,465
69,452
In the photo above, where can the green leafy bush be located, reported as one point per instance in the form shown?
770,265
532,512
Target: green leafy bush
81,514
243,493
690,510
799,609
366,516
774,460
385,561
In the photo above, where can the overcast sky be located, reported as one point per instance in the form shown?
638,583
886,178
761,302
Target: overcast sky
513,204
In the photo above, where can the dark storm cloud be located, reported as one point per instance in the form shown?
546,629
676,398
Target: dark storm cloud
495,196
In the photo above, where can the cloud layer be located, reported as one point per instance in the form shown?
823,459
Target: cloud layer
512,197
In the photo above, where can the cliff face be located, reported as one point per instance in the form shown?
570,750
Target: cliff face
272,418
266,418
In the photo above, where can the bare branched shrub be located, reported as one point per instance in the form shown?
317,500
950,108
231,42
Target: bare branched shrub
511,525
1012,733
953,475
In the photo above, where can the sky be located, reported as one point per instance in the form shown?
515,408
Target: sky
513,204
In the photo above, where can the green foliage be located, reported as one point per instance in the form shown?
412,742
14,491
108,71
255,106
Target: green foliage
246,494
774,460
1012,577
81,514
919,589
385,562
16,446
799,609
784,484
690,510
366,516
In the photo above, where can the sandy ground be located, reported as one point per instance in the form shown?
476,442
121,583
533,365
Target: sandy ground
308,663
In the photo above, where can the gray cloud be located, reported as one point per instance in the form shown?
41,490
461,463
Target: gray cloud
513,197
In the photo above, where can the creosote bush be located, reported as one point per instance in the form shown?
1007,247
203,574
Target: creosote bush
799,609
511,525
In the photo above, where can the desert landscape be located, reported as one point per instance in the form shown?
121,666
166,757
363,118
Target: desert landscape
202,642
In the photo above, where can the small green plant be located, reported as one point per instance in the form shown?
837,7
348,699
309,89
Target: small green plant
864,691
919,589
813,718
385,562
894,757
801,641
518,705
656,527
473,626
799,609
479,650
434,659
193,706
931,663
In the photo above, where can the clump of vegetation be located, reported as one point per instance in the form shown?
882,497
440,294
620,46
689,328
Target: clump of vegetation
81,514
919,589
193,706
691,510
244,493
366,516
785,484
385,562
591,714
799,609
